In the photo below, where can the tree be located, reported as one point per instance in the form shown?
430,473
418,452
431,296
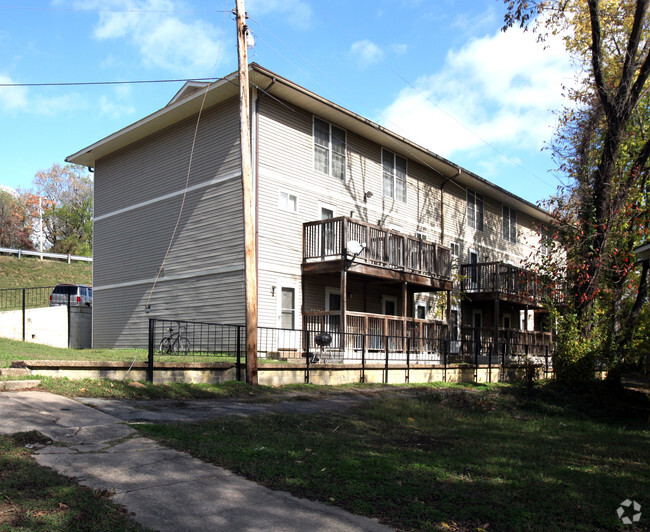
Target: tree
603,146
15,231
65,194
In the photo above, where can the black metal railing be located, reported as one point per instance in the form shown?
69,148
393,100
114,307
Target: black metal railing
24,298
365,351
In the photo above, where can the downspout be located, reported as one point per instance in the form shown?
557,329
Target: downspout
442,203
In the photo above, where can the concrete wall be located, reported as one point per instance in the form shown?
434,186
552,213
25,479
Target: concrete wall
49,326
276,374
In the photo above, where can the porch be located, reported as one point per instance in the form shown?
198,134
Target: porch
339,244
505,282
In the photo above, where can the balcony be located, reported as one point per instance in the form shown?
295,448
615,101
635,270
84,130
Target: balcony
498,280
388,254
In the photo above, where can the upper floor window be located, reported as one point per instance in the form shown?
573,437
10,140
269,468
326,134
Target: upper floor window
546,241
475,210
455,250
329,149
394,173
509,224
288,201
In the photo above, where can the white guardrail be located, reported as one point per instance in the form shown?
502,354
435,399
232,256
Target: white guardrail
45,255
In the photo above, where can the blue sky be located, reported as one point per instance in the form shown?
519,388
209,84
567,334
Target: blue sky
438,72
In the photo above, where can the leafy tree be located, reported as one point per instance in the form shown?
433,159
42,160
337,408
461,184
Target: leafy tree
66,197
602,145
15,231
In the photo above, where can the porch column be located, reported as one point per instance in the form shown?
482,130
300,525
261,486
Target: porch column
405,312
448,318
344,305
495,342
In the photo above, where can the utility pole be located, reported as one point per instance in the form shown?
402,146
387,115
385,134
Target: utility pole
250,248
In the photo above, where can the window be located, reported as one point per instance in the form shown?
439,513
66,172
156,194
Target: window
389,305
421,310
545,242
288,310
455,250
509,224
475,210
329,149
394,172
421,236
288,202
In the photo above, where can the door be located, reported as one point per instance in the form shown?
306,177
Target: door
328,236
473,271
288,336
477,333
333,321
454,330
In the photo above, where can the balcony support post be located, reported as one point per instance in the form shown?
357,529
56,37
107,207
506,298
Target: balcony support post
495,342
344,306
404,313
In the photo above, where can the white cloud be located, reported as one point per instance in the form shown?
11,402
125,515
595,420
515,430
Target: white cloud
298,12
12,98
399,49
163,39
114,109
366,53
501,88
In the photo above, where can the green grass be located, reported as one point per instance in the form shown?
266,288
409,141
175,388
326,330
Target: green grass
493,458
36,498
31,271
11,350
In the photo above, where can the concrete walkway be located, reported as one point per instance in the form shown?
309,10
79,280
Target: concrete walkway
166,490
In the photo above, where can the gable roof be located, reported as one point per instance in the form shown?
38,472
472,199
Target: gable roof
189,98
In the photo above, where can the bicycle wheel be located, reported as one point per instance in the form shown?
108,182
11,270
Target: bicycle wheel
165,346
181,346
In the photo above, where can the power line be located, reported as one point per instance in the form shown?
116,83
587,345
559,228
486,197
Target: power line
76,83
78,10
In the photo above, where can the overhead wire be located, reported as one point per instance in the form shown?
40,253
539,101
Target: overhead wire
189,170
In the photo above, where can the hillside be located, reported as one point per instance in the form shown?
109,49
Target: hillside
29,272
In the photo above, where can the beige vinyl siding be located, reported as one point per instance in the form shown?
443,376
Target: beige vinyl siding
203,277
119,319
157,165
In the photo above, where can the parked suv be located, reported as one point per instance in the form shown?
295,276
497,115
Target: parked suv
79,295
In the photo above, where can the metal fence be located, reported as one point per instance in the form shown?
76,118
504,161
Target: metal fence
390,352
24,298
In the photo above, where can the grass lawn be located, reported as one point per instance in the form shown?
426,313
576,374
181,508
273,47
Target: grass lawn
31,271
11,350
484,458
37,498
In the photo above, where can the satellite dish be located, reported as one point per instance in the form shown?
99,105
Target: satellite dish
355,247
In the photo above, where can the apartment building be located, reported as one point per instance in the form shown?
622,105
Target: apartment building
358,229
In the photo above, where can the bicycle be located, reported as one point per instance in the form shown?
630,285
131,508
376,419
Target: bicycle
175,342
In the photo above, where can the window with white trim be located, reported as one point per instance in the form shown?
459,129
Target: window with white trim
475,210
509,224
394,175
455,250
421,310
287,307
329,149
288,202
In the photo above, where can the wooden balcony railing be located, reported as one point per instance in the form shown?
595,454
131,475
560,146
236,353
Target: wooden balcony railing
376,329
327,239
502,278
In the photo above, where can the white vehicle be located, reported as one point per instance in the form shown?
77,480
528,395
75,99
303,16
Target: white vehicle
79,295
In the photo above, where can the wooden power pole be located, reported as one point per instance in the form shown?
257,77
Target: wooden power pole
250,260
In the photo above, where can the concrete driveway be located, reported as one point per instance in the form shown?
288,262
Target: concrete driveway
165,489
